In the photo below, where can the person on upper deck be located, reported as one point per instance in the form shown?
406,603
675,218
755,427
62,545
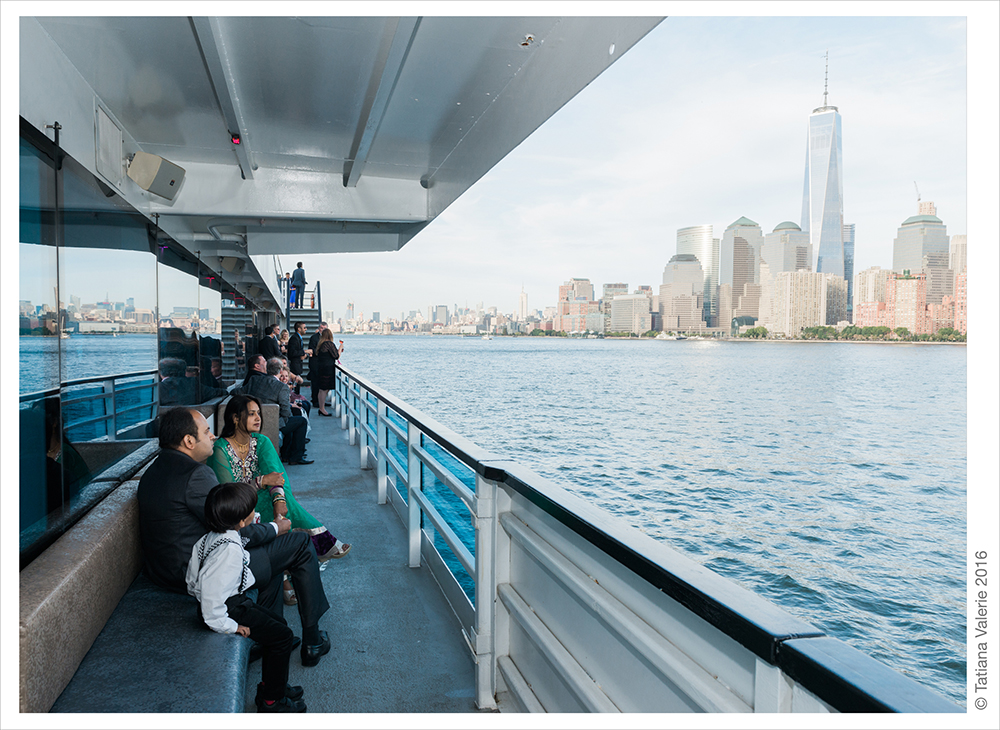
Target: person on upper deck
326,358
299,284
171,497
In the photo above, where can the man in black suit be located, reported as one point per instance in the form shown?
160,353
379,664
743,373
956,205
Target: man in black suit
297,351
313,375
262,383
269,347
171,498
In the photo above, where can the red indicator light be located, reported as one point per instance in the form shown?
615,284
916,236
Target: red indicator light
236,139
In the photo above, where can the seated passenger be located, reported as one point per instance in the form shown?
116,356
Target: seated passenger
219,576
243,454
262,382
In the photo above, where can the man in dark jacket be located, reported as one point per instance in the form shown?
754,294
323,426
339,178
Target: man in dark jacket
297,351
262,383
269,346
171,497
299,282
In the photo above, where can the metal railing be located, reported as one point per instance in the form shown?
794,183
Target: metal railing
108,407
571,610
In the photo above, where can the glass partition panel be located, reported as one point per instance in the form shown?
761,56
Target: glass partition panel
178,326
40,472
210,340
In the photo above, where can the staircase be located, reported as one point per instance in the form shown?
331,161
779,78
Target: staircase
233,357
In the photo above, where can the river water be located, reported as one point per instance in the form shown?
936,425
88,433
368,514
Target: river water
829,478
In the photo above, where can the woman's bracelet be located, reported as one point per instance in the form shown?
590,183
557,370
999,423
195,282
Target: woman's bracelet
277,498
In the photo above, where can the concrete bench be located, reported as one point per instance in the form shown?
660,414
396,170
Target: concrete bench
94,637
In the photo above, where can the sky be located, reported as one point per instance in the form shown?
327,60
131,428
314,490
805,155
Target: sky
701,122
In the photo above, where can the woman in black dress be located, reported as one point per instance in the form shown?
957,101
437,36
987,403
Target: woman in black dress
326,358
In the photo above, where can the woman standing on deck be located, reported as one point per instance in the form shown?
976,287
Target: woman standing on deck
326,358
243,454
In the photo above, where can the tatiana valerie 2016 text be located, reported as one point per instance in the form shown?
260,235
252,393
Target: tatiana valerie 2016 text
979,628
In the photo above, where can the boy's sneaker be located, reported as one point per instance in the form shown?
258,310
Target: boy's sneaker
291,702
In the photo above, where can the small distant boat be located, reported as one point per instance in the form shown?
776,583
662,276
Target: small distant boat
665,336
487,337
64,335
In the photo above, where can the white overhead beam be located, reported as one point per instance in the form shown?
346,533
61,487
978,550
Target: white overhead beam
220,71
388,66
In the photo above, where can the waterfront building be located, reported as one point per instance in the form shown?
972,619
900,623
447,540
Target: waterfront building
906,302
349,316
441,314
961,302
801,299
918,236
576,302
739,265
610,291
940,278
957,253
630,313
576,289
681,295
725,302
787,248
698,241
522,306
957,257
941,315
849,267
823,189
869,297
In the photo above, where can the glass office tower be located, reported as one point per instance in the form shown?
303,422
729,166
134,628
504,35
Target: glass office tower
698,241
849,267
823,190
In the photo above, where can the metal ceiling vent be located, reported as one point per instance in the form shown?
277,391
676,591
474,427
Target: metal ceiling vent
110,161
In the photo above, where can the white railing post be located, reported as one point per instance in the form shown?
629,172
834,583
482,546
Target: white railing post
381,474
772,692
485,521
362,431
338,404
412,488
342,402
352,418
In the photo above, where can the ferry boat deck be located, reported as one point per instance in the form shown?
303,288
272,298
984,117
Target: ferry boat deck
397,645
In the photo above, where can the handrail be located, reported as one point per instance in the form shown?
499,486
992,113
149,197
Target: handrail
107,394
794,646
81,381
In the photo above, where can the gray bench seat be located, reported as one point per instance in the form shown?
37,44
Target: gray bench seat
155,655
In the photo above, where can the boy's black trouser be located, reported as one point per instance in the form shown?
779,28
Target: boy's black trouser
275,638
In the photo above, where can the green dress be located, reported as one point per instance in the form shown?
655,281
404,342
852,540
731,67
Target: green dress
262,459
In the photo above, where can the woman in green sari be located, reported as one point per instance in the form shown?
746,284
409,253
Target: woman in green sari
243,454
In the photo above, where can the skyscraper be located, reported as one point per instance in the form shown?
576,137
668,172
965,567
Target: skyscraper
698,242
849,266
918,236
823,189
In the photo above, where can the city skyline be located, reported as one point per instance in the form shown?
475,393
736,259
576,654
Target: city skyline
597,180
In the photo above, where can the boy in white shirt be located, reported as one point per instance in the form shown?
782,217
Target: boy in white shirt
219,576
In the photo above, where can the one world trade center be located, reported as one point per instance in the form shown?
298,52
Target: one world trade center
823,193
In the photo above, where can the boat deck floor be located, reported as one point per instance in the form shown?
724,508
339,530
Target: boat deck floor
397,646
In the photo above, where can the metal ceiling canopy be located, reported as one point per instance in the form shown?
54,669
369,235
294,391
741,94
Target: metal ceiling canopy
354,133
